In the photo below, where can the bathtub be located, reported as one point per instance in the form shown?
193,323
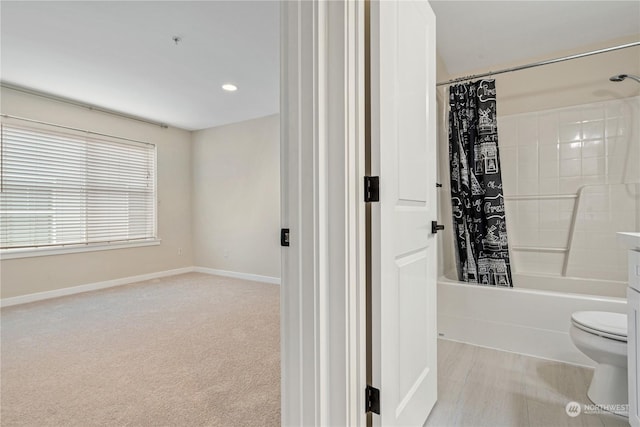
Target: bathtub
529,321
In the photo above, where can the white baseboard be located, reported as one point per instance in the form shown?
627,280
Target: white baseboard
238,275
23,299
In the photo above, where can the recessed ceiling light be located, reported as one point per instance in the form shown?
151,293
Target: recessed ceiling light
229,87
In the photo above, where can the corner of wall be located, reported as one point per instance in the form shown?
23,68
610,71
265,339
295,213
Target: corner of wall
236,197
52,273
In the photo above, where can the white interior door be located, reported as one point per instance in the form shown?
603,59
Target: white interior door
403,251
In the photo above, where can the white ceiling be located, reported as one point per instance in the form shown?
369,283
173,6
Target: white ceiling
120,54
474,35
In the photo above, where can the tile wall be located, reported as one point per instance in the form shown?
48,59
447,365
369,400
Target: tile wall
567,176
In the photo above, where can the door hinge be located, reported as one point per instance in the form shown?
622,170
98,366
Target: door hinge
435,227
371,189
284,237
372,400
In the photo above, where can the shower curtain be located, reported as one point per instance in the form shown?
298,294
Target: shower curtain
476,185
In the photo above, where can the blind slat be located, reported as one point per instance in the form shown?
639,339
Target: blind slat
60,189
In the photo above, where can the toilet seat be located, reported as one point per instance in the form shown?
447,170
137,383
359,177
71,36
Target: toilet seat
604,324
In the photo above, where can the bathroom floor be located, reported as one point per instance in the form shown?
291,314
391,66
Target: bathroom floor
483,387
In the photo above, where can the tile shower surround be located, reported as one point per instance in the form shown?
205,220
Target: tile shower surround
570,179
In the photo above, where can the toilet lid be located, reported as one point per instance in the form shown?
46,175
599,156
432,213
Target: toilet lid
612,325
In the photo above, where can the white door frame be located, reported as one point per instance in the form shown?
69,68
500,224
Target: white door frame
322,168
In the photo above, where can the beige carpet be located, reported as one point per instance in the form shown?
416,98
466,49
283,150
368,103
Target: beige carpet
188,350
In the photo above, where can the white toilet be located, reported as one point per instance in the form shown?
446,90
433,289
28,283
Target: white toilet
602,337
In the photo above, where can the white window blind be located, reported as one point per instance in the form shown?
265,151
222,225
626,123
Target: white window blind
60,189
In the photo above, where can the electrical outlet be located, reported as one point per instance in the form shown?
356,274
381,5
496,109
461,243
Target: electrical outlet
226,253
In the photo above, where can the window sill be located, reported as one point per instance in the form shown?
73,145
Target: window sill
28,253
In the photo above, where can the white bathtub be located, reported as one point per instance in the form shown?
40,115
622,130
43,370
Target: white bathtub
526,321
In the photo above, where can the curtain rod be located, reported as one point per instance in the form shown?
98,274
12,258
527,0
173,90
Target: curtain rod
53,97
538,64
9,116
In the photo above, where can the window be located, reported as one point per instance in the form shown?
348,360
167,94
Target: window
74,190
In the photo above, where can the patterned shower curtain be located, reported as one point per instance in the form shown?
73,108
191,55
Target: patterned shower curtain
476,185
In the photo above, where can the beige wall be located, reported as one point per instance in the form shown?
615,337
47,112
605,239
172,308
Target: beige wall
236,197
29,275
575,82
232,172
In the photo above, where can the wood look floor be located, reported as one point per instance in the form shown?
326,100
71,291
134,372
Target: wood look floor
483,387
